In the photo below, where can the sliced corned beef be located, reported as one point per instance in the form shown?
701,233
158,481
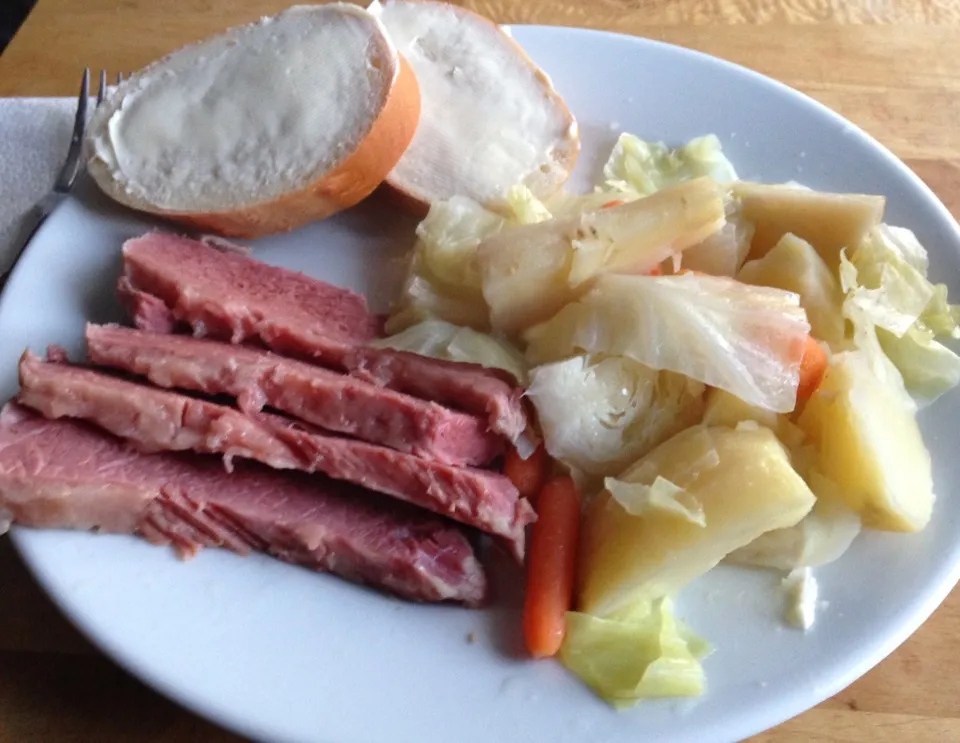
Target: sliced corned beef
231,297
66,475
328,399
468,387
225,294
147,311
158,420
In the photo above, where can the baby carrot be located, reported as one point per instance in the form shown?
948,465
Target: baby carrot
528,475
551,564
813,366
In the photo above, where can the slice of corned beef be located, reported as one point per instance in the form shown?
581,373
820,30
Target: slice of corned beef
328,399
232,297
66,475
468,387
224,294
158,420
147,311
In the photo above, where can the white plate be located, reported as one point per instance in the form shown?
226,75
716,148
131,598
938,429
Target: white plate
282,654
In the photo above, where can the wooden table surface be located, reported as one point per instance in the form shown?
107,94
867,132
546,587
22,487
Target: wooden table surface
891,66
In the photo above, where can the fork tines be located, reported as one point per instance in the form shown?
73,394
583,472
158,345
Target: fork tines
102,91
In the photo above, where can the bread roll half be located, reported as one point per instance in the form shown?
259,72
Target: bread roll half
490,117
262,129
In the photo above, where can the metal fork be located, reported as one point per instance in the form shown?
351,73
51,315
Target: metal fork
38,214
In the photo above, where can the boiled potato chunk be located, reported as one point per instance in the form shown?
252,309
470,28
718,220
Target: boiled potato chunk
794,266
528,272
827,221
746,486
868,443
726,409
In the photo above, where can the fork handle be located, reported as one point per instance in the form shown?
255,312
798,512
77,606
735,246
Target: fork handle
28,228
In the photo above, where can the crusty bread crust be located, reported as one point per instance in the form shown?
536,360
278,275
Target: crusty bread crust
355,177
564,155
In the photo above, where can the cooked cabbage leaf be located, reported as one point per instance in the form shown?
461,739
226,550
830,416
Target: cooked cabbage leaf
423,299
565,204
643,653
865,336
939,315
442,278
530,271
890,287
600,414
895,309
662,495
525,208
449,236
442,340
745,339
638,167
928,367
723,253
821,537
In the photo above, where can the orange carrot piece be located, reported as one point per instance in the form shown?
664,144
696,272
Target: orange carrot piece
813,366
611,204
551,564
528,475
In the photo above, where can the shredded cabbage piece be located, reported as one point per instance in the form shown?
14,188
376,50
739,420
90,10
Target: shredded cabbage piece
638,499
745,339
600,414
890,286
525,208
928,367
443,340
701,456
449,236
865,337
423,299
939,315
529,271
443,281
820,538
890,300
723,253
564,204
886,281
642,653
638,167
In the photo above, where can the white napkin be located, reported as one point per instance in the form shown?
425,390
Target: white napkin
34,137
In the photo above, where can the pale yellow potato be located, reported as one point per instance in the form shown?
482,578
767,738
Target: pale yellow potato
868,442
723,408
827,221
528,272
794,266
746,487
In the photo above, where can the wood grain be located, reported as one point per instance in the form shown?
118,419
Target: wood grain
890,66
